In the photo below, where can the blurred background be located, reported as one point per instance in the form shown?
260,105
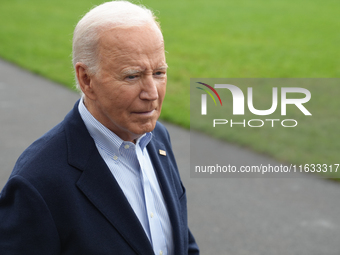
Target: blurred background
203,39
214,39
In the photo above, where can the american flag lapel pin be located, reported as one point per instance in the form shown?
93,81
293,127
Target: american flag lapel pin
163,153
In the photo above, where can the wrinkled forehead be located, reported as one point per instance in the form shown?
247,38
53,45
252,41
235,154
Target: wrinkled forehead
140,47
131,35
136,39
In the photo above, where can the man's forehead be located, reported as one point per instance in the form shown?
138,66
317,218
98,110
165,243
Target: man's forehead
128,36
132,49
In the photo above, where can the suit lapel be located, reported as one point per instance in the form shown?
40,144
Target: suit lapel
164,174
100,187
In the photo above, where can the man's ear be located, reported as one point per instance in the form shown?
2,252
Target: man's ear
85,80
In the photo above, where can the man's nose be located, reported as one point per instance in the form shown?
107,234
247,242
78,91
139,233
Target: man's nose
149,88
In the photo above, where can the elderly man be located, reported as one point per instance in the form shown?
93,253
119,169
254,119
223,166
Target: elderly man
103,181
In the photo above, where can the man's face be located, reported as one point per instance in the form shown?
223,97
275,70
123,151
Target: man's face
129,88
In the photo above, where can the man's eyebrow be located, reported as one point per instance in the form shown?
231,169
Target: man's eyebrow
131,71
162,67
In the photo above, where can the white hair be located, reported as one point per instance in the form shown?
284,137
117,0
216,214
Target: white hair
102,18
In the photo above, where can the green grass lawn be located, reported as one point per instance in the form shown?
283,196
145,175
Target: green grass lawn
212,39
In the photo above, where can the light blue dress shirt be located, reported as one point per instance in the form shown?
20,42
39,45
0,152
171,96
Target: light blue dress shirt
132,168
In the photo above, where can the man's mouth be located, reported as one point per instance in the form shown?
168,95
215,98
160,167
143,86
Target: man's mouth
145,113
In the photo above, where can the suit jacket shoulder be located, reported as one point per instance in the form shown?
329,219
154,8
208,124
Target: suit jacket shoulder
61,198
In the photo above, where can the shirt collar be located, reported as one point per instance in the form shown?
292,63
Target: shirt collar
105,138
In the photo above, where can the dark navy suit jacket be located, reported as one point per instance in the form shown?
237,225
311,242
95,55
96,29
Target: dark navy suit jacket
61,198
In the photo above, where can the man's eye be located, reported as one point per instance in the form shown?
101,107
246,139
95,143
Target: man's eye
159,73
131,77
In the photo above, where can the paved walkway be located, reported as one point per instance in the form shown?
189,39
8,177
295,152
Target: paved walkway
246,216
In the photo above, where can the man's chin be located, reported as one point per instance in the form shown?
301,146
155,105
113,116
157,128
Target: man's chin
145,128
